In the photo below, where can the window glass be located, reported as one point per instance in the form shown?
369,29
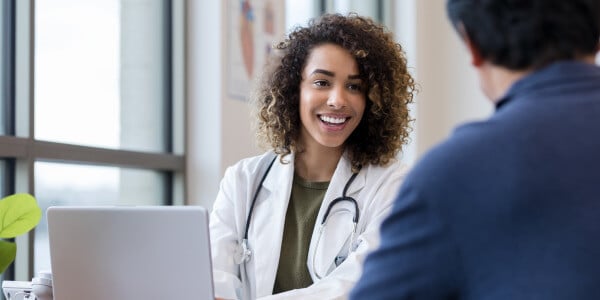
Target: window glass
4,68
364,8
64,184
101,73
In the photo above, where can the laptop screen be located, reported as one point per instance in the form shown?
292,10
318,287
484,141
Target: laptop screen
145,252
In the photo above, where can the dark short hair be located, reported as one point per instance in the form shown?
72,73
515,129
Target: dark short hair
384,127
525,34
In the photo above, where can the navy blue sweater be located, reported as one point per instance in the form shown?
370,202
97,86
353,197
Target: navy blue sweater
507,208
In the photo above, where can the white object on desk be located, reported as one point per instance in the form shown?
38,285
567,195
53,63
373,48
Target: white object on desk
16,290
41,286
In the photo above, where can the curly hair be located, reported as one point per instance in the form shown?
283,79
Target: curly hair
385,125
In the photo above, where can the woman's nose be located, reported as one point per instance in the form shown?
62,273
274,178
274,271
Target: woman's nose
337,98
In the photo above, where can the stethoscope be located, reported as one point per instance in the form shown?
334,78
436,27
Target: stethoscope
244,253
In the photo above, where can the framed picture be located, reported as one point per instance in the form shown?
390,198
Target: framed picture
253,27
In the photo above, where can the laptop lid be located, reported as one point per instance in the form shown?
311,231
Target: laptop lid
138,252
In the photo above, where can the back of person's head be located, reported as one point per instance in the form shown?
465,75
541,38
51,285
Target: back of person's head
528,34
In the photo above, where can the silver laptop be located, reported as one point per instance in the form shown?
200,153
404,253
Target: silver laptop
137,252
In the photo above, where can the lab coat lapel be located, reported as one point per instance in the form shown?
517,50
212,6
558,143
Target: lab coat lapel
269,220
338,228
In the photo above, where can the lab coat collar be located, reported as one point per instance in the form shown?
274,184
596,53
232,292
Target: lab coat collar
280,176
277,189
280,173
343,172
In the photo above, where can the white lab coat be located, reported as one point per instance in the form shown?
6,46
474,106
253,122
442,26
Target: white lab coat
374,189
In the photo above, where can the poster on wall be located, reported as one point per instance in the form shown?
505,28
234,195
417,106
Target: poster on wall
253,27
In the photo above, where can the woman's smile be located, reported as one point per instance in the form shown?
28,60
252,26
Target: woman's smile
333,123
332,100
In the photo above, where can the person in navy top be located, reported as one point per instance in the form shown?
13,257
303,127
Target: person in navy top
507,208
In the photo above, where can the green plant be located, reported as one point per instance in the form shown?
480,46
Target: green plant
19,213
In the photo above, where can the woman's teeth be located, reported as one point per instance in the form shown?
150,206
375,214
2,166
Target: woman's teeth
332,120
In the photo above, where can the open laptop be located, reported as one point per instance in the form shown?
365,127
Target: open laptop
137,252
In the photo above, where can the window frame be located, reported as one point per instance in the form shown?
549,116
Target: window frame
19,147
7,39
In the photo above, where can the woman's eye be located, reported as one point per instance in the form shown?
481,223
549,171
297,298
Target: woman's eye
321,83
354,87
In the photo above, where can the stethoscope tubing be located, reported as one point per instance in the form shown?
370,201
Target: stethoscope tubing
258,188
344,197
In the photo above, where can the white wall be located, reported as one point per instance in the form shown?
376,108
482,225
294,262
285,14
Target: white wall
449,90
204,148
219,131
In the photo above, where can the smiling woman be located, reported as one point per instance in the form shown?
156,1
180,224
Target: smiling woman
331,103
332,110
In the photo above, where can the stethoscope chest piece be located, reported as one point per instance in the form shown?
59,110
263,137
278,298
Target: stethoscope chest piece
242,253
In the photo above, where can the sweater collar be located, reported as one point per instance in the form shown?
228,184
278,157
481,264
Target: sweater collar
562,72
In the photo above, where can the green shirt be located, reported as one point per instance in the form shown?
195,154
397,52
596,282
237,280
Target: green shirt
305,201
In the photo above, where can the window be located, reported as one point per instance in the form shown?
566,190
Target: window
5,189
371,9
298,12
103,82
6,90
110,186
91,111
